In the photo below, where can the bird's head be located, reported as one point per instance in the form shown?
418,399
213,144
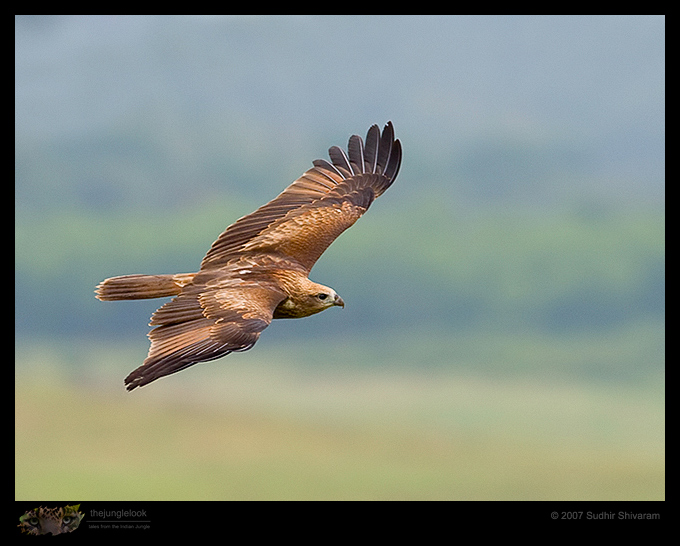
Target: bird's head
318,297
311,299
325,298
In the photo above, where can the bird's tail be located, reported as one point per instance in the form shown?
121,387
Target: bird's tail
139,287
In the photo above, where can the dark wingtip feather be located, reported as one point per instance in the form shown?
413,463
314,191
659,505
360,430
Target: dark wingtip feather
340,160
394,163
385,149
355,150
380,155
371,148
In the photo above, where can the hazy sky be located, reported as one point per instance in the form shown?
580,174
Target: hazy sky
459,89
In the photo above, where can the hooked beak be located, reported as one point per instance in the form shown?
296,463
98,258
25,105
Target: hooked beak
338,301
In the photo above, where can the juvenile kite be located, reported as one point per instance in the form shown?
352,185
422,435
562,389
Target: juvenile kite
257,269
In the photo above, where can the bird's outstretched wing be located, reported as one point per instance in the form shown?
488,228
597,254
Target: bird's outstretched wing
301,222
209,319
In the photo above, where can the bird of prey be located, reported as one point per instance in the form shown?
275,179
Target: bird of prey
257,270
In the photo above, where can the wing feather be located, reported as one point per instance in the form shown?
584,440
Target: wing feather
371,150
340,160
355,149
329,167
385,149
302,221
207,321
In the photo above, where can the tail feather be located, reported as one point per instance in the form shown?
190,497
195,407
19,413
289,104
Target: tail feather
138,287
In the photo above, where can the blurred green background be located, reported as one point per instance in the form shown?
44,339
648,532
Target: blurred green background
504,328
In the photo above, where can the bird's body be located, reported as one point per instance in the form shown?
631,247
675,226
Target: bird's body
258,269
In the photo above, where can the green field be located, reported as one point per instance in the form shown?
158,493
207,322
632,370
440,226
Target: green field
510,357
244,429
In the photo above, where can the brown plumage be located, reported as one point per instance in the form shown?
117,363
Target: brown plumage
257,269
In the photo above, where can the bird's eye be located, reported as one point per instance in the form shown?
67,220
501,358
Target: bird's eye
322,296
